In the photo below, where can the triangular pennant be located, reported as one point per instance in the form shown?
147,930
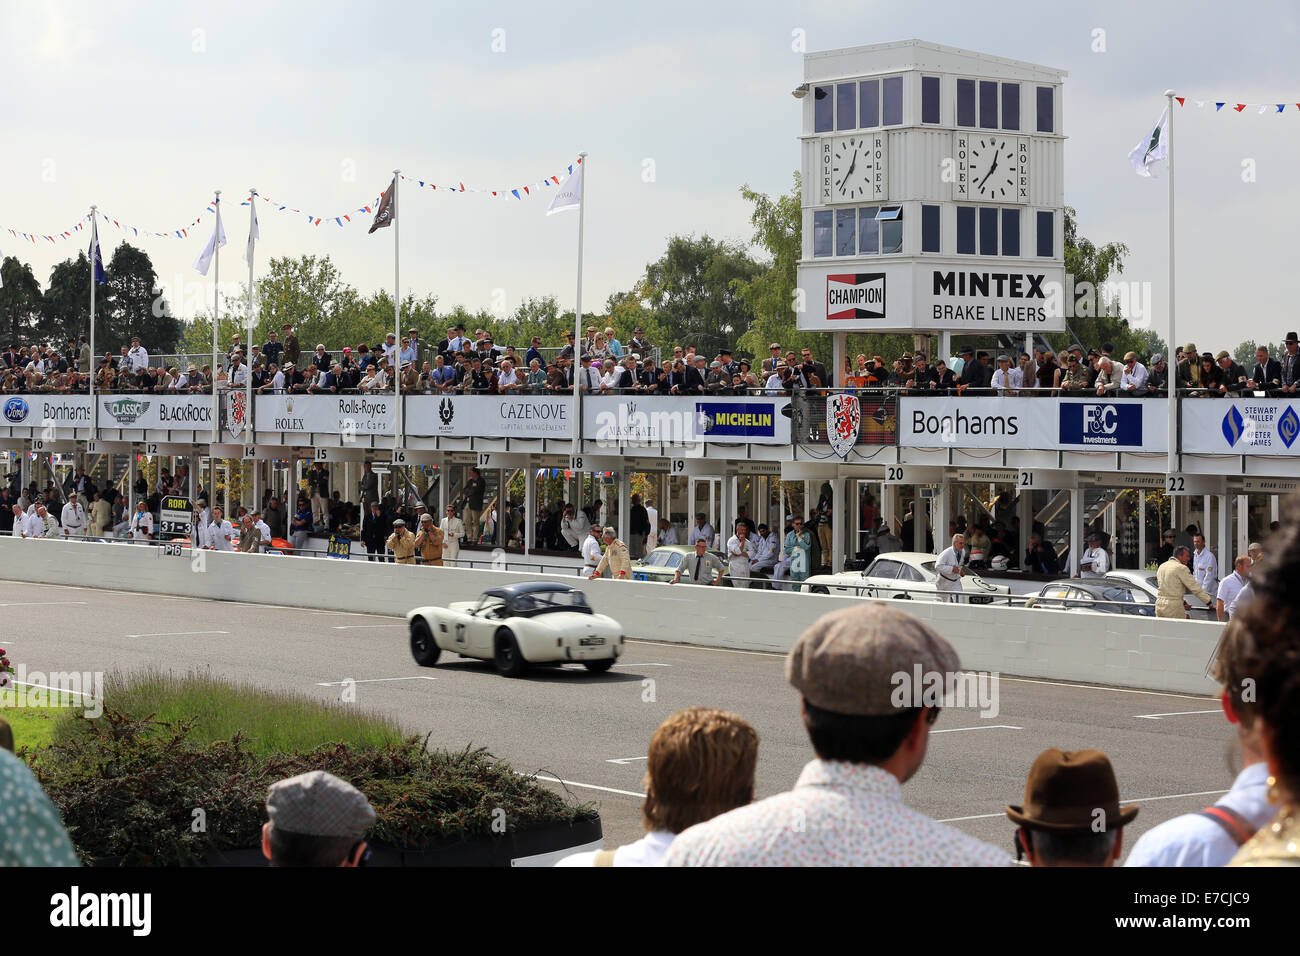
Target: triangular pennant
1218,106
1239,107
1181,100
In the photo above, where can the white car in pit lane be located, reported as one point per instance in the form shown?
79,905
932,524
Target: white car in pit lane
534,622
1145,581
905,575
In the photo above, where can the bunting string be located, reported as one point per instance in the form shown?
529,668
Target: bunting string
342,219
507,192
1232,106
54,237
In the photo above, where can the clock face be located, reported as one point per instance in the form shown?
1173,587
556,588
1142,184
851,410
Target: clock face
853,169
994,168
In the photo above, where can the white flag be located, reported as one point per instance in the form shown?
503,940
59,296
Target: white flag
253,236
570,194
218,238
1153,148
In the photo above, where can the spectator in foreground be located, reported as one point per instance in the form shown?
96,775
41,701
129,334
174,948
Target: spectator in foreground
848,801
701,763
33,833
316,819
1211,837
1071,815
1260,662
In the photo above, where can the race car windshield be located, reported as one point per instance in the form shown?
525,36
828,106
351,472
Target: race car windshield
538,602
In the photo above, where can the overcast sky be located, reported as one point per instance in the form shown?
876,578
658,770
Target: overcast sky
145,108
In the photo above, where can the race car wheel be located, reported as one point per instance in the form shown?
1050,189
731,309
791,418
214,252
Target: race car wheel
599,667
903,597
424,648
818,589
507,658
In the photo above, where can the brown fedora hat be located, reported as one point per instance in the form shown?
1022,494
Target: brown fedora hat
1065,789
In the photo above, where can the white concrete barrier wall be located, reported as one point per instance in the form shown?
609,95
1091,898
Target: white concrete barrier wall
1114,649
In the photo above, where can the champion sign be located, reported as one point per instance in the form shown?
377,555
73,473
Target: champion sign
856,296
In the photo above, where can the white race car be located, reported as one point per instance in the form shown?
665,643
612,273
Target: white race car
905,575
535,622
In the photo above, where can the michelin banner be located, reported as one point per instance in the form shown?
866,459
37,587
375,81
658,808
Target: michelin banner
1025,422
659,419
1241,426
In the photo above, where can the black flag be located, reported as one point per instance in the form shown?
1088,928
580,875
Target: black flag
385,213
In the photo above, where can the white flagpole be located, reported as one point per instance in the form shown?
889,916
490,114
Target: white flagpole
94,242
397,329
577,315
248,345
1172,465
216,320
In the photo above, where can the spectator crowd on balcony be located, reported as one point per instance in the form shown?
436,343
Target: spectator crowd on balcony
460,364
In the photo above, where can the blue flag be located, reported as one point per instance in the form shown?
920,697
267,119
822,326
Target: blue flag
96,258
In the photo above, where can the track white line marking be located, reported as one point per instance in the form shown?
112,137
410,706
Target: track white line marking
780,655
1116,690
1139,800
955,730
586,786
39,603
355,627
624,761
177,633
638,664
1177,713
368,680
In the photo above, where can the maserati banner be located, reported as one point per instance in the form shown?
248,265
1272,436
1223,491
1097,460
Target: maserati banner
490,416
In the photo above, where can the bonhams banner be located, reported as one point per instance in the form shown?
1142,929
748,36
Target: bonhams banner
31,414
1065,424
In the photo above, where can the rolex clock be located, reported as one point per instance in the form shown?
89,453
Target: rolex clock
854,169
991,168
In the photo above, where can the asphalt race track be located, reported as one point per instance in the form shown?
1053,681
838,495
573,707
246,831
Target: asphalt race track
1173,753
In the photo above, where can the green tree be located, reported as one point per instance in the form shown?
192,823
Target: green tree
133,305
1100,319
308,293
65,306
20,301
693,291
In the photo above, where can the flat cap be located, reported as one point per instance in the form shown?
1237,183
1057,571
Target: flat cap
1223,354
1255,546
1130,356
847,660
400,522
1157,359
317,803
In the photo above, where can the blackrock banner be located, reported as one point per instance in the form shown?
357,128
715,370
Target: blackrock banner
32,414
668,420
156,411
490,416
325,414
970,295
1024,422
1241,426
